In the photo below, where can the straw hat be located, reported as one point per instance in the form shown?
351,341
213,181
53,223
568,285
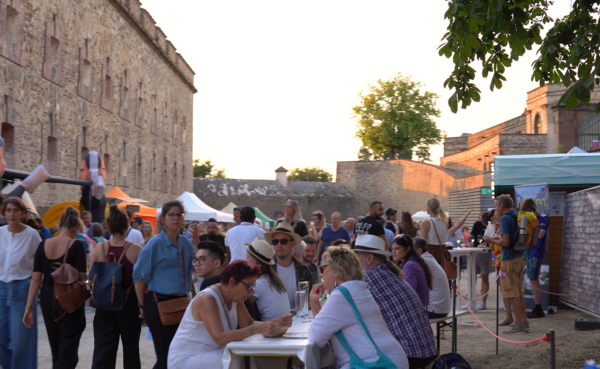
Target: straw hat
372,244
283,228
261,250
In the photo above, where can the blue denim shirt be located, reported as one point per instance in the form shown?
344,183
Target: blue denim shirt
159,264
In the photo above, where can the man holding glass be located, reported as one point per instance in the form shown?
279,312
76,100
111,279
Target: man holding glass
290,270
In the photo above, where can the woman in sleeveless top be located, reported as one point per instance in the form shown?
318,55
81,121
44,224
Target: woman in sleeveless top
126,324
293,216
64,334
435,229
147,231
211,319
319,223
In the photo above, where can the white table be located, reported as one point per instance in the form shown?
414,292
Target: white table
257,345
469,252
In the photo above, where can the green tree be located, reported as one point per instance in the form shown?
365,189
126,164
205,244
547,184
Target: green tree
498,32
207,169
310,174
394,116
364,154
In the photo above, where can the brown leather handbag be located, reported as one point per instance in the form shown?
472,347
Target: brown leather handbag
69,289
171,311
448,265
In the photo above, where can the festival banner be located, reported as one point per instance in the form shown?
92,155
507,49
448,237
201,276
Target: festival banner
541,195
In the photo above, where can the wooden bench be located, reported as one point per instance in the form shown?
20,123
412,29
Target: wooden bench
447,321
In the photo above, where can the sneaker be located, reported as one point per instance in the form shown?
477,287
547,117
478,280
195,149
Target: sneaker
502,308
536,313
481,305
464,307
515,330
526,327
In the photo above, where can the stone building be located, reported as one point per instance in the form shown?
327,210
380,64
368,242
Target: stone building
95,75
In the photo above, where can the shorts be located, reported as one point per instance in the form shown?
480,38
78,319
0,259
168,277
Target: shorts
533,267
483,263
511,285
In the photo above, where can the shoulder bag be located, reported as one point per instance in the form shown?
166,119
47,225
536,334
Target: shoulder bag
70,291
448,265
171,311
355,362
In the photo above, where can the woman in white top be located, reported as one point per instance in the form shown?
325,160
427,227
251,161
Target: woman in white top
342,268
18,242
211,319
269,295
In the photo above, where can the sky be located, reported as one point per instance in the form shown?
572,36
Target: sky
277,80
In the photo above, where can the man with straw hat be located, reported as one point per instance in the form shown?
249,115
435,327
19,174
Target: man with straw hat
290,270
400,305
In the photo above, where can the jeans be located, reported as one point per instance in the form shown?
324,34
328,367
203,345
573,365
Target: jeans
18,344
64,335
162,335
109,326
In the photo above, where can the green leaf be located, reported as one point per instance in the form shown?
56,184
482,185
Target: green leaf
583,94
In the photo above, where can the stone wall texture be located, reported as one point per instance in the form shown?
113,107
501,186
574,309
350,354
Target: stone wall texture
95,75
580,253
270,196
404,185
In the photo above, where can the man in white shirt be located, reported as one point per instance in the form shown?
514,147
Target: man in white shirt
133,236
440,302
245,232
290,270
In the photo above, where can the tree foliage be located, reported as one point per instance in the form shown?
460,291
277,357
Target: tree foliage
207,169
364,154
310,174
394,116
498,32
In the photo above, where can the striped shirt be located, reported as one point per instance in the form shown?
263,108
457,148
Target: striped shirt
402,311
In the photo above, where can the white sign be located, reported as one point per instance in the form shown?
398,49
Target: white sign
557,204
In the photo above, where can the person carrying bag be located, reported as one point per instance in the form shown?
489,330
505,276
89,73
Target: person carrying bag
70,290
117,314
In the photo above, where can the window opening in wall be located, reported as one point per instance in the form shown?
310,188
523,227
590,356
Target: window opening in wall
537,124
52,148
125,98
107,87
87,73
107,166
124,160
11,25
153,179
164,179
8,134
54,47
155,117
84,151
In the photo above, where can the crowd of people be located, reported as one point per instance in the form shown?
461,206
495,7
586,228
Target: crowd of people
374,282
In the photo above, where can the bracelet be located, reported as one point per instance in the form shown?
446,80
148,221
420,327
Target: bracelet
252,329
140,306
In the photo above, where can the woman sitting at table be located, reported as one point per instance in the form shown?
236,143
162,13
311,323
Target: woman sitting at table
416,272
269,295
211,319
363,330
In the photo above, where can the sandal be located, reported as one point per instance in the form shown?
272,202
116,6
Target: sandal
505,322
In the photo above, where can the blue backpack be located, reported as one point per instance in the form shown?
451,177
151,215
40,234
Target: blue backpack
451,361
108,292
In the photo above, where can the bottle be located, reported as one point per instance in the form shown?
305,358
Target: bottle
590,364
523,235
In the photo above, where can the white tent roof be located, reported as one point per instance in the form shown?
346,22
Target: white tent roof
193,204
422,215
194,209
229,208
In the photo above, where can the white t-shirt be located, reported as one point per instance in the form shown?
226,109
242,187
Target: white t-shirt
238,236
18,253
490,230
271,304
288,277
439,297
134,236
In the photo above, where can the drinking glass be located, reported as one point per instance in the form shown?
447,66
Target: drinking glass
303,286
301,304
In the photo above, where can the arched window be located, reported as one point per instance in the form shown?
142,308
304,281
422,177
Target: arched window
537,124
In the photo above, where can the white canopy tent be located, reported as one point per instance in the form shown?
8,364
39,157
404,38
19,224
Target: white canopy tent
193,204
194,209
422,215
229,208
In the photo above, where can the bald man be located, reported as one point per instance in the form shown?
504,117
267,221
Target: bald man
349,225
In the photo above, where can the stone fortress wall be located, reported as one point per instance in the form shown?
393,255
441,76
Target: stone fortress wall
95,75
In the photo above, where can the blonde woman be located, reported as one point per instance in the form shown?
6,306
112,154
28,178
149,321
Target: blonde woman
319,223
293,216
147,231
435,229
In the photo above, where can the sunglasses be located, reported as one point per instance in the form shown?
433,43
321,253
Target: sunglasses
250,288
283,242
323,267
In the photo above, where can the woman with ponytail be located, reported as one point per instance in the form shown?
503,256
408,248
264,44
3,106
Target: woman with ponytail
435,229
64,334
125,324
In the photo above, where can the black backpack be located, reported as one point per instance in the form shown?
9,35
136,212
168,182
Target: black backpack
108,292
451,361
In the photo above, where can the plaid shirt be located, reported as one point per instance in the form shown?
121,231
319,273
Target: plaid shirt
402,311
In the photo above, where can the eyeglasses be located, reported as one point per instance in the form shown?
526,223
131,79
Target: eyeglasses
174,216
323,267
283,242
250,288
201,260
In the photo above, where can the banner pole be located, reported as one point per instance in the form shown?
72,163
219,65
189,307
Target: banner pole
497,307
552,350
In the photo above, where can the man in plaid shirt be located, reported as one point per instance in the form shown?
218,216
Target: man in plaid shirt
400,305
